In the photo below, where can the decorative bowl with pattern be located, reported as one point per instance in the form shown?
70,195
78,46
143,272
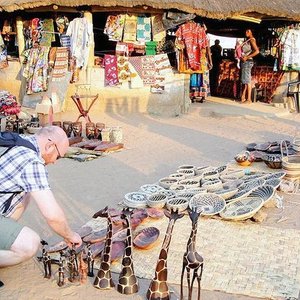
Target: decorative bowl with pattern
157,200
167,182
151,188
136,199
210,203
177,203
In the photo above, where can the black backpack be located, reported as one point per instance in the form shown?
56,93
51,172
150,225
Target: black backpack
9,140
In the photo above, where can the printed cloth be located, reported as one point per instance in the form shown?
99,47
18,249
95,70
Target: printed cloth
143,33
22,169
36,69
81,33
130,28
111,70
47,32
114,27
61,64
151,48
148,69
136,80
162,69
136,62
123,69
158,30
192,38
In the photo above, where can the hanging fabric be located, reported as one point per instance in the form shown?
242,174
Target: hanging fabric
130,28
47,32
61,64
158,30
3,54
123,69
111,70
81,33
36,70
114,27
143,33
62,26
148,69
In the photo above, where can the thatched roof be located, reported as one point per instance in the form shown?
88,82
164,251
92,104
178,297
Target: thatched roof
217,9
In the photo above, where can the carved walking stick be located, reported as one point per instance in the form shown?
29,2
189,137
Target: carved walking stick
158,289
128,283
191,259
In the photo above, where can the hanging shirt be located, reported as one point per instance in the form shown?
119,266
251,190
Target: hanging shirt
81,33
194,39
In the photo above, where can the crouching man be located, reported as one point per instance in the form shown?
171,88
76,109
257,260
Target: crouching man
23,177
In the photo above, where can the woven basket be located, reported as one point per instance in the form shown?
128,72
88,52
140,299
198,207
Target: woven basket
167,182
278,175
201,170
177,187
221,169
170,194
185,194
151,188
210,175
290,162
178,176
210,203
274,182
187,167
227,193
157,200
177,203
212,185
236,173
242,209
186,172
250,185
265,192
189,183
136,199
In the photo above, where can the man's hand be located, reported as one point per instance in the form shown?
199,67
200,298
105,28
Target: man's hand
74,240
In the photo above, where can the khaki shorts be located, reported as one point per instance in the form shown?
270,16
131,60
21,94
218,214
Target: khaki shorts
9,231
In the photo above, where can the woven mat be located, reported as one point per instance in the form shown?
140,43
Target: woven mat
239,258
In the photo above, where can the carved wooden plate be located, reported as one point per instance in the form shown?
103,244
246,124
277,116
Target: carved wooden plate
146,238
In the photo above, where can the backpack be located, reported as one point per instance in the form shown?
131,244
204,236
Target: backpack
9,140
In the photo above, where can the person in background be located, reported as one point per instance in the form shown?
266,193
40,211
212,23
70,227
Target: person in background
23,177
216,53
249,50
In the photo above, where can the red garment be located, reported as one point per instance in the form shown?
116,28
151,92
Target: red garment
195,39
111,70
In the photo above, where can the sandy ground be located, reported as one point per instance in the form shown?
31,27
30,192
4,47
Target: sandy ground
212,133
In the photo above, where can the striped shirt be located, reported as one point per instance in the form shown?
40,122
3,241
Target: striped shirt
21,170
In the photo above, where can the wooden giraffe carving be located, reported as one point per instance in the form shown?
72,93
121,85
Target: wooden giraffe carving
191,259
128,283
158,289
103,279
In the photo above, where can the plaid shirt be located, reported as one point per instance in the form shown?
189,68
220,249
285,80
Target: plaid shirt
21,170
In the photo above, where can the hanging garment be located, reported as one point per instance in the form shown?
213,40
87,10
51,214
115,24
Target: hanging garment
148,69
47,32
123,69
111,70
143,33
36,70
61,64
114,27
192,38
130,29
291,50
158,30
81,32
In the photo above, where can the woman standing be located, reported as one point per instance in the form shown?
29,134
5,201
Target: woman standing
249,50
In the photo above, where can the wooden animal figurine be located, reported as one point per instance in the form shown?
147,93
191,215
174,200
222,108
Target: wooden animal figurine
191,259
73,266
83,269
46,259
90,262
103,279
158,289
128,283
61,271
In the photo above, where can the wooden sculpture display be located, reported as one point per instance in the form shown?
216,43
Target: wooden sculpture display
103,279
128,283
158,289
192,261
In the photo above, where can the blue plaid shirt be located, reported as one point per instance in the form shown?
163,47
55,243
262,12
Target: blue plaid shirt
21,170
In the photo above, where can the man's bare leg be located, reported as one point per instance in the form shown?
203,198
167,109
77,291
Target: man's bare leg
24,247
